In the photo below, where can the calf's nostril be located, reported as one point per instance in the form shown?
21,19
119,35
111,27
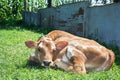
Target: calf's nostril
46,63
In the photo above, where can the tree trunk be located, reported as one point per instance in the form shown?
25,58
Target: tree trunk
49,3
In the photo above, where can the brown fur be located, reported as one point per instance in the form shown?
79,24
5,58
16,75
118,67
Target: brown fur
88,55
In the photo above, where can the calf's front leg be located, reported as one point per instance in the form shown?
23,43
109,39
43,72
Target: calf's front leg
78,65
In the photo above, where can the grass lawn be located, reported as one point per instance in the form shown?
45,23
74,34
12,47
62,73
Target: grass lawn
14,56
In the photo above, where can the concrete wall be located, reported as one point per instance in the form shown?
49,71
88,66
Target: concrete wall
104,23
31,18
67,17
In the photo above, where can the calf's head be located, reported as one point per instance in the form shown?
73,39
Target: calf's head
45,49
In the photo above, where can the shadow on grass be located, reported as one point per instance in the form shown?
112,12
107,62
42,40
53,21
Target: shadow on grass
31,65
20,25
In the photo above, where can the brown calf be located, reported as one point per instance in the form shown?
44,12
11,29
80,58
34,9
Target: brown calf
71,53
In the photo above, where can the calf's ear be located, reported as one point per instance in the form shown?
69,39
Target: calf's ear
60,45
31,44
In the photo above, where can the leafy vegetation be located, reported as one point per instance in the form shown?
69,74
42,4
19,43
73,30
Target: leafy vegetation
11,9
14,64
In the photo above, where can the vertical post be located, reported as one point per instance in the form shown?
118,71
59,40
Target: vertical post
49,3
25,5
32,5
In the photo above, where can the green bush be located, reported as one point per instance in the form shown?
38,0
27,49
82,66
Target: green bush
10,9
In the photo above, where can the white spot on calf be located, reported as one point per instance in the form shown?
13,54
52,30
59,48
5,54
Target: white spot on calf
70,52
65,59
67,56
84,47
53,46
41,45
32,55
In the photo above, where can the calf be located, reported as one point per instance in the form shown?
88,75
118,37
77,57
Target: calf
84,57
71,53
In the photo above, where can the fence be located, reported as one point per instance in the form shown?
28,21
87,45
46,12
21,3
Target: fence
100,22
103,23
35,5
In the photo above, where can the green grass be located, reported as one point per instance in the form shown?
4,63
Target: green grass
14,56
